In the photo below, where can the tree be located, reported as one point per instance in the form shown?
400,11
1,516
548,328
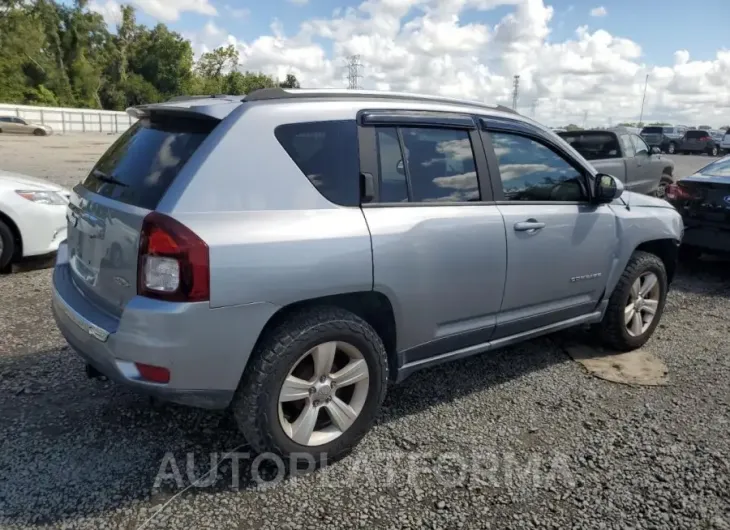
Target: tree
290,82
725,128
573,127
659,124
212,64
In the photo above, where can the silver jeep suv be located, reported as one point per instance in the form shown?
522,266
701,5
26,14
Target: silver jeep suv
288,253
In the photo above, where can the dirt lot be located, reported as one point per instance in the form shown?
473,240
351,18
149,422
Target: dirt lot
519,438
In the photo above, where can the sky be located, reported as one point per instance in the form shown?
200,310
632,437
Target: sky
579,61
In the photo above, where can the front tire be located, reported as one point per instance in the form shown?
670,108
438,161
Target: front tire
7,246
713,151
39,132
313,386
637,303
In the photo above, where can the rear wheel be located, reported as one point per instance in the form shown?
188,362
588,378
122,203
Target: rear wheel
665,181
671,148
39,132
713,151
636,304
314,386
7,246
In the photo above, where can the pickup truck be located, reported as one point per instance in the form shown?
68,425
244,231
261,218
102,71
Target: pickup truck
626,156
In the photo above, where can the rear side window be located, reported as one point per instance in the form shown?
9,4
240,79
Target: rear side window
697,134
327,153
594,146
142,164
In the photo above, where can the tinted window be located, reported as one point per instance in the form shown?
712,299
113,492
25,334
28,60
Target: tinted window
531,171
393,187
697,134
668,130
326,152
652,130
639,145
721,168
627,145
440,164
593,146
5,119
146,159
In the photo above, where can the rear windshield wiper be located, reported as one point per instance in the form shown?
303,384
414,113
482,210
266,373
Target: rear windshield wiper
108,178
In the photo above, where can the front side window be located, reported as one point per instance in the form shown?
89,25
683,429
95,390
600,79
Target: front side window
627,145
327,153
640,145
530,171
438,163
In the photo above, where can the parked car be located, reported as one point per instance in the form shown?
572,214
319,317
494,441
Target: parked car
725,142
699,141
625,156
32,217
665,138
369,240
11,124
703,200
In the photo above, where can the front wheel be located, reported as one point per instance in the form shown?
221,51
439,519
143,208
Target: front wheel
7,246
313,387
636,304
714,151
672,148
39,132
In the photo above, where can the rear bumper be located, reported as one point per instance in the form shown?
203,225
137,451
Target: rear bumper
205,350
707,237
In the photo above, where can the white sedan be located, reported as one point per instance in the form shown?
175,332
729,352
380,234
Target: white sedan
32,217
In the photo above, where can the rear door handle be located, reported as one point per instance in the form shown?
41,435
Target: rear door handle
531,225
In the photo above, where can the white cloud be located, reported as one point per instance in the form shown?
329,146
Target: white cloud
599,11
238,12
425,46
170,10
110,10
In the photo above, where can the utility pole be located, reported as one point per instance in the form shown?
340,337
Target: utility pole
515,91
643,99
353,72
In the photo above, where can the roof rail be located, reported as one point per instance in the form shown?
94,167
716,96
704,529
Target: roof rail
265,94
207,96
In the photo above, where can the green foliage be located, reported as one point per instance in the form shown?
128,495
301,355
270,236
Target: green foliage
659,124
62,54
573,127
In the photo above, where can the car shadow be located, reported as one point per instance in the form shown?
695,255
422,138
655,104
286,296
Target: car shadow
74,448
709,275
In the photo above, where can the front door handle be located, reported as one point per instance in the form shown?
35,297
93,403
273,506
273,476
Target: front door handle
531,225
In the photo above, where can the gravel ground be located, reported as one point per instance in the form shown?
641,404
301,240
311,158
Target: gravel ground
519,438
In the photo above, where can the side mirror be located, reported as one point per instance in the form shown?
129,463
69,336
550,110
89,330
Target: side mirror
655,150
607,188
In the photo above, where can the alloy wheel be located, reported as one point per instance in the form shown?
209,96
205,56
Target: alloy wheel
324,393
671,149
642,304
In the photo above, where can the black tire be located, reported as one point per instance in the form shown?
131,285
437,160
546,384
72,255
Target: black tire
613,328
8,246
661,191
713,151
255,406
39,132
671,148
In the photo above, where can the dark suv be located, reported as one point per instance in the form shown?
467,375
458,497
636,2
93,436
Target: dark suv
698,141
667,139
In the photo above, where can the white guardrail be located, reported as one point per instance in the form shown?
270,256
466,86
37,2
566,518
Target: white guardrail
69,120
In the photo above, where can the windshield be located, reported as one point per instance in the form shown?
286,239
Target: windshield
652,130
721,168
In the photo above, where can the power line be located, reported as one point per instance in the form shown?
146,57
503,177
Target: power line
515,91
353,72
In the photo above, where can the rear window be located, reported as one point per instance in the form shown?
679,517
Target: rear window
327,153
697,134
142,164
654,130
594,146
721,168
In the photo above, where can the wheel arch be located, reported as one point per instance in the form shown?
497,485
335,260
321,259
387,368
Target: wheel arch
666,250
373,307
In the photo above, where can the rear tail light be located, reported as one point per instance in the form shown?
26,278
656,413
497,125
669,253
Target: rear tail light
154,374
676,192
173,262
